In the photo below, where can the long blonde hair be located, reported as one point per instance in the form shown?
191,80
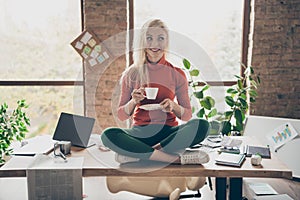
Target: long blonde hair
138,72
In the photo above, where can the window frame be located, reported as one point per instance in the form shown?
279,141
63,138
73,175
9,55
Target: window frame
54,82
245,41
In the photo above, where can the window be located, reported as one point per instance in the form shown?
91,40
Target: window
214,29
37,62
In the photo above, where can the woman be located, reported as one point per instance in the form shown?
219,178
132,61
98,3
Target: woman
155,134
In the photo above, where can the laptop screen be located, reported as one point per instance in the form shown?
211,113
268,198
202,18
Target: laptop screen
74,128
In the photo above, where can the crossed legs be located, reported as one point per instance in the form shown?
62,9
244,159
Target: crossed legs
156,142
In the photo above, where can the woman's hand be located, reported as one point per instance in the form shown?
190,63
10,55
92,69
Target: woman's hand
170,106
137,95
167,105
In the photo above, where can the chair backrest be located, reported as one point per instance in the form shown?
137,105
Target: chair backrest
260,126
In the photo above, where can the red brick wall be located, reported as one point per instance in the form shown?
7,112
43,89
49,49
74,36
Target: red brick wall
276,57
107,19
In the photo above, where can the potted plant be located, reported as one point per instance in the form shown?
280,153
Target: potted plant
238,98
13,126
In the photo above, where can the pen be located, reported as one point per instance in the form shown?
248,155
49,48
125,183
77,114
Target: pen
63,156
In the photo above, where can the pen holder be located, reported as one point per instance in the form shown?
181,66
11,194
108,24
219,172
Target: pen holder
64,147
256,160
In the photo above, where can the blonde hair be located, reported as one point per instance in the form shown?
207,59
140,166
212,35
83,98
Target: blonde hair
137,72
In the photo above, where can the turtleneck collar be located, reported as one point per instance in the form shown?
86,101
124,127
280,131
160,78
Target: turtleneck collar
158,65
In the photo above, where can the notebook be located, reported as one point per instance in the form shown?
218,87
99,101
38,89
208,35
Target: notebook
264,152
41,144
74,128
230,159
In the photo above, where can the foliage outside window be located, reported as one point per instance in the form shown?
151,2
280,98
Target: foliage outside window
35,41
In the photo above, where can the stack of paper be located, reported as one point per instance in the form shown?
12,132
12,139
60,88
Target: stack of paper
42,144
230,159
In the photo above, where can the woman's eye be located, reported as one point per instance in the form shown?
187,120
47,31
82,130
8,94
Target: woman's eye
149,38
161,38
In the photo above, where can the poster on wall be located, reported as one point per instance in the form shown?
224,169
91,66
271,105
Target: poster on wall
91,49
281,135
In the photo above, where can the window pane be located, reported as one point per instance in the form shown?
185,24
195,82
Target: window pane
35,39
45,104
214,25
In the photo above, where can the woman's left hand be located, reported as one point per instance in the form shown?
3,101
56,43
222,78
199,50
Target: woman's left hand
167,105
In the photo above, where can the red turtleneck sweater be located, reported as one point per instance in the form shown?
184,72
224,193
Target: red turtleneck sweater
172,84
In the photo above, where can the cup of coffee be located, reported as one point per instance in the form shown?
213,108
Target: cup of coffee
151,92
64,147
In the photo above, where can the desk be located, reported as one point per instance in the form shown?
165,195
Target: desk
97,163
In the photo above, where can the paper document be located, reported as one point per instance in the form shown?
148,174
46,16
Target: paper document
281,135
231,142
53,178
274,197
42,144
262,188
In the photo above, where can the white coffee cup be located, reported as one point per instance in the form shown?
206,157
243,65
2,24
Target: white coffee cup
151,92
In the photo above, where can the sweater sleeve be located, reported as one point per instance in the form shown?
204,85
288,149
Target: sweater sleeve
182,95
125,96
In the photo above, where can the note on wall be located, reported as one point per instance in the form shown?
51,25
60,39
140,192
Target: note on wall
90,48
281,135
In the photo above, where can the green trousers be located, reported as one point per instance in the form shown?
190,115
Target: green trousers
138,140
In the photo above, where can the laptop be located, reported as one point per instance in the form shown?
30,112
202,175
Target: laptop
74,128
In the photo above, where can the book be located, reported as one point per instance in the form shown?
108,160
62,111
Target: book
274,197
262,188
264,152
230,159
41,144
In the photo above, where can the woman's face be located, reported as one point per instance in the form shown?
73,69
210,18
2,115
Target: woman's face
156,42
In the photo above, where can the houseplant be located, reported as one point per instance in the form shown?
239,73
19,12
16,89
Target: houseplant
238,97
13,126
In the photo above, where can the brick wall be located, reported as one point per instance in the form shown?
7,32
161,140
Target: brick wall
276,57
108,20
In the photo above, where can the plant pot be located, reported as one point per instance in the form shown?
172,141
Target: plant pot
215,128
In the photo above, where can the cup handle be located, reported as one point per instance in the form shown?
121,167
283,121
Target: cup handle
54,150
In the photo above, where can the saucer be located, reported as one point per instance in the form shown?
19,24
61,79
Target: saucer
151,107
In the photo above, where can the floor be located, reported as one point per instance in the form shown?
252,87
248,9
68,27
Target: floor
95,189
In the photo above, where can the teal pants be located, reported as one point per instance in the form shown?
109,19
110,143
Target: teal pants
138,140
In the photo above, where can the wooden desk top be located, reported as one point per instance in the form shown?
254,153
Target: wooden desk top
98,163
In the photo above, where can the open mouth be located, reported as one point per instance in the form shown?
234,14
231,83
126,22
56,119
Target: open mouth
154,49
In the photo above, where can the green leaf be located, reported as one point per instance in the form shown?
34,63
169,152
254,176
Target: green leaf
226,128
228,114
186,64
205,104
240,84
243,102
201,113
232,91
251,70
206,87
237,76
198,94
238,117
211,101
212,113
252,99
229,100
193,109
253,93
194,72
258,79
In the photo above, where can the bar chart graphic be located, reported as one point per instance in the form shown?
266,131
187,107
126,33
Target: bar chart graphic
281,135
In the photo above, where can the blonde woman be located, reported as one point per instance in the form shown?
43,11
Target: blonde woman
155,133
